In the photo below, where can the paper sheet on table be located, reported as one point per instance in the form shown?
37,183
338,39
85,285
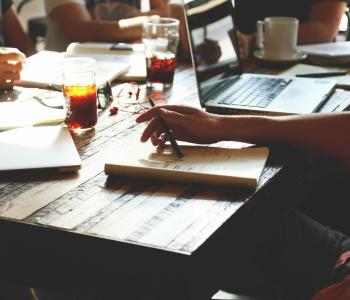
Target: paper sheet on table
338,49
105,48
44,69
28,113
342,81
108,51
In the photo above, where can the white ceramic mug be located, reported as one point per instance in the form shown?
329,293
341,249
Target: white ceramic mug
278,37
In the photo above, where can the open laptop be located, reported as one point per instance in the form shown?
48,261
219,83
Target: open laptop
222,87
43,147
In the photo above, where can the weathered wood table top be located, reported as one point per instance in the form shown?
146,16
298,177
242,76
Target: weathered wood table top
178,218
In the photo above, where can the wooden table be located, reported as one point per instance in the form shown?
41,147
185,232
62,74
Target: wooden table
84,230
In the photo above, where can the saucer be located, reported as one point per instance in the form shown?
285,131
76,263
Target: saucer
298,56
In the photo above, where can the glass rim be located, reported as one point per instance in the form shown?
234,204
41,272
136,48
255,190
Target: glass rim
77,62
157,22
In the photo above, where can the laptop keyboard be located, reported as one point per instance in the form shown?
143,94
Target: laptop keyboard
255,92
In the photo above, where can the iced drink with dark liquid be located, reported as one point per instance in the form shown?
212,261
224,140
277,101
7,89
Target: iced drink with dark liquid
79,90
161,69
160,37
81,106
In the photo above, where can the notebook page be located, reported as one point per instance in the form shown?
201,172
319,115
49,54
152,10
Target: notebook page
200,163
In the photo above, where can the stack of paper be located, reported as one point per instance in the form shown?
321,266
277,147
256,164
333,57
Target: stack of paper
337,53
28,113
106,48
132,54
338,49
343,81
44,69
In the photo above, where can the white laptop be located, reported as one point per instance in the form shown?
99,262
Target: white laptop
46,147
222,87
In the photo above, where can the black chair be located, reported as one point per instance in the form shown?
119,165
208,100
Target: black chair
36,26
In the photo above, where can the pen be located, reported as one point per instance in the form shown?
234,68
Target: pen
172,141
323,74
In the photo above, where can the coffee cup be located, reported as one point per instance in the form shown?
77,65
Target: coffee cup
277,36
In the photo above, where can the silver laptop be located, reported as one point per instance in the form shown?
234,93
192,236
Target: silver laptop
44,147
222,87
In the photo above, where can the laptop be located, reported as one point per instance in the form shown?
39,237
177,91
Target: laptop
223,88
33,148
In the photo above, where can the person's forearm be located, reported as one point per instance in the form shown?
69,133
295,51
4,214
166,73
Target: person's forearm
245,128
324,22
15,35
314,32
100,31
77,25
327,134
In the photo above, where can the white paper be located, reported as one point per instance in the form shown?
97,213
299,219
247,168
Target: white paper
341,81
28,113
337,49
45,68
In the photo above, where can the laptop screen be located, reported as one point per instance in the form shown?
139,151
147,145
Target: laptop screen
212,36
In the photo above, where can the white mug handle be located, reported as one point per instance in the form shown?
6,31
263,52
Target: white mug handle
260,34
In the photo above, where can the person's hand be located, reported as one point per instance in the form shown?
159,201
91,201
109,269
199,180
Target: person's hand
11,63
209,51
246,44
186,123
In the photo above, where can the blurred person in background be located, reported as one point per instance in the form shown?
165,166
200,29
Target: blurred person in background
319,20
96,21
11,35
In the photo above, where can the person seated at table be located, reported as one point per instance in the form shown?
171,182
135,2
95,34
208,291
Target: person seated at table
95,21
303,258
319,19
11,35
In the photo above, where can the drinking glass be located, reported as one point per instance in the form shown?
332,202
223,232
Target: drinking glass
160,37
79,89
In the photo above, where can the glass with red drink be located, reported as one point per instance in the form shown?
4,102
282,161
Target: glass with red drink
160,37
79,89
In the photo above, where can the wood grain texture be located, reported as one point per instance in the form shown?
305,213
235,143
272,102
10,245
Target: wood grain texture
176,217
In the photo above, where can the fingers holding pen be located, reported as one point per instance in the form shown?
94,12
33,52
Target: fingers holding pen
156,136
185,123
156,111
150,129
7,79
174,116
11,54
11,67
11,63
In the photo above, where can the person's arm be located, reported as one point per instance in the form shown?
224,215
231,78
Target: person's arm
326,134
159,7
77,24
246,44
324,22
14,33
